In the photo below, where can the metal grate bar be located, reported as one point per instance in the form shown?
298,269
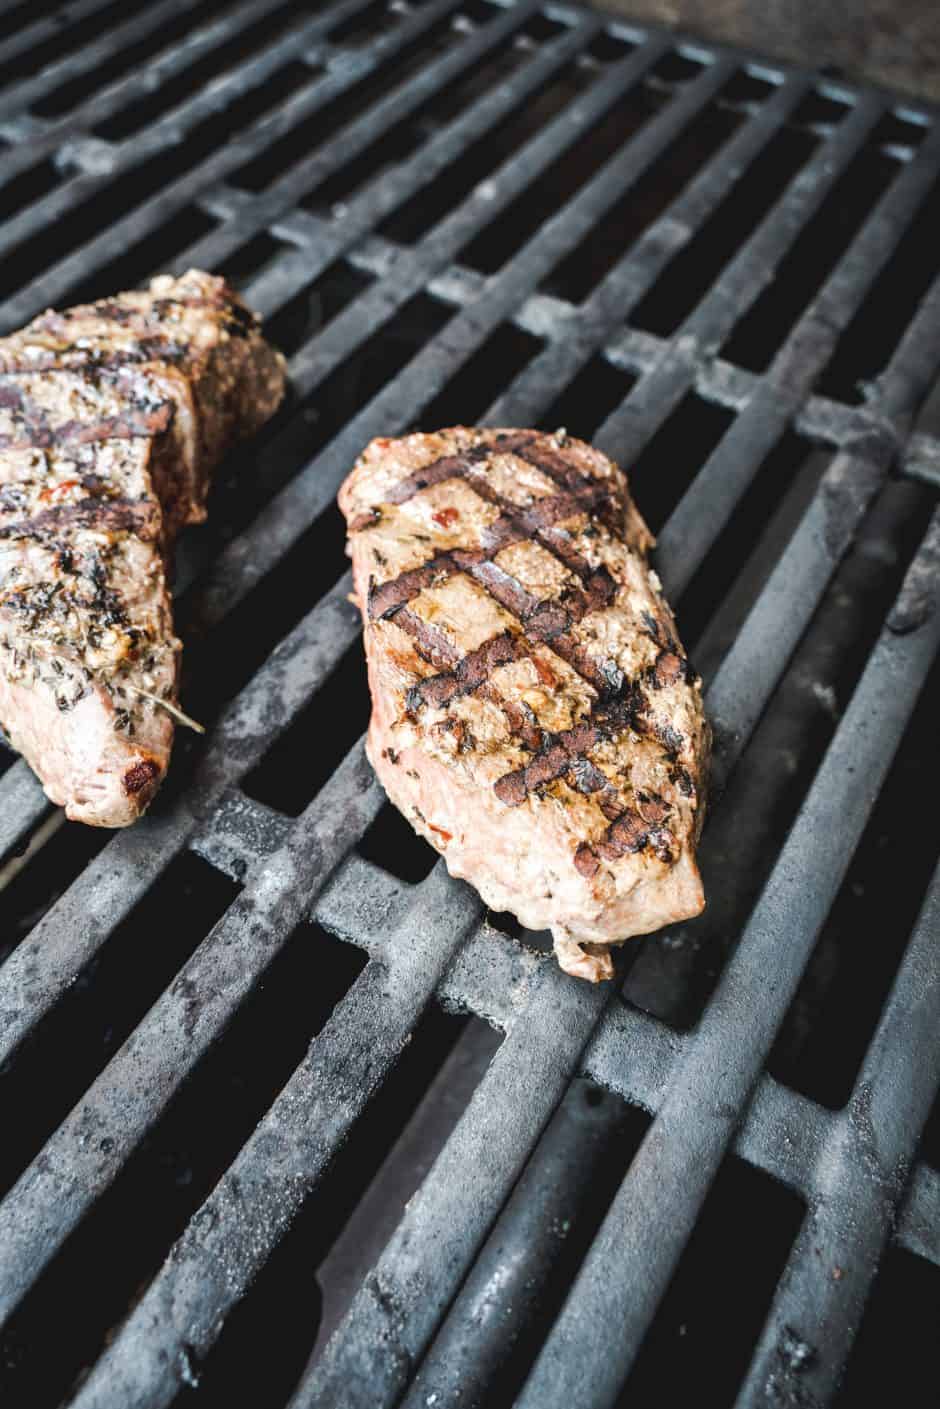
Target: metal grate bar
395,1313
611,303
293,271
658,393
396,185
17,96
23,805
710,501
429,941
393,189
746,679
43,967
836,1256
630,1054
919,1229
707,1098
46,134
818,418
173,128
224,1245
279,526
253,554
29,38
60,1186
243,146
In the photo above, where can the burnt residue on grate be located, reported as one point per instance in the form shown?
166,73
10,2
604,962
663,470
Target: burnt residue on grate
259,1139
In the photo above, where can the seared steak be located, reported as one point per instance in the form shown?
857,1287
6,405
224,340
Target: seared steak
534,714
112,417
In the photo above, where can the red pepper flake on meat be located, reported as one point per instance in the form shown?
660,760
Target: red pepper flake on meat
544,671
440,831
446,517
58,491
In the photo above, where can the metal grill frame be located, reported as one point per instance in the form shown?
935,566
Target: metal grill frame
707,1090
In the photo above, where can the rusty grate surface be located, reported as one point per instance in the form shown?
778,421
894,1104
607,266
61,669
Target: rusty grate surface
723,272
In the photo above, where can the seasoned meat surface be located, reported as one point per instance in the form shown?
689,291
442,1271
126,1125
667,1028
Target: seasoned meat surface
534,714
112,418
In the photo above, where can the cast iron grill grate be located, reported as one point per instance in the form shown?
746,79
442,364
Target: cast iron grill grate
721,270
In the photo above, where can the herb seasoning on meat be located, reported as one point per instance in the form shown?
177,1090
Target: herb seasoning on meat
526,673
112,418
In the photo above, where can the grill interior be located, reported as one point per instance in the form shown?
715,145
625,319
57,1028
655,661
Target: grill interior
284,1108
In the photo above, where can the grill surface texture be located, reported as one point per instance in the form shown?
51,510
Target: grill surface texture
285,1109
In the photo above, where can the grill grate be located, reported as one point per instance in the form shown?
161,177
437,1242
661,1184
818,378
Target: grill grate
500,212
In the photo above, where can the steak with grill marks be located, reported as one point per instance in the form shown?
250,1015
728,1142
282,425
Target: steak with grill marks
534,714
112,417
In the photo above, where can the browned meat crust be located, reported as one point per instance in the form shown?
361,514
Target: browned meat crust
534,713
112,418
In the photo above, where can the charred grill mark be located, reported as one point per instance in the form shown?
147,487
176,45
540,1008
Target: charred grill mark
448,467
580,493
555,466
37,433
586,862
111,310
388,599
541,622
586,778
670,738
652,808
455,466
632,831
560,753
667,670
467,675
621,703
504,588
71,356
683,780
510,528
432,645
565,751
115,515
366,520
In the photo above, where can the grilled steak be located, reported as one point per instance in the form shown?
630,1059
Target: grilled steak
112,417
534,715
